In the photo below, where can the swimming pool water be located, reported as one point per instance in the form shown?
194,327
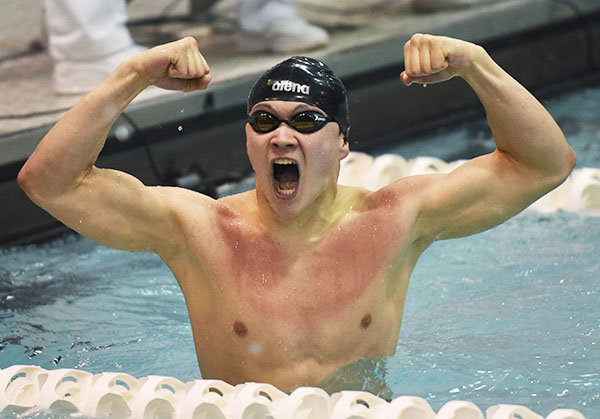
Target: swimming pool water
511,315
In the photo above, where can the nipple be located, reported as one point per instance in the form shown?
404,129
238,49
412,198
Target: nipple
365,322
240,329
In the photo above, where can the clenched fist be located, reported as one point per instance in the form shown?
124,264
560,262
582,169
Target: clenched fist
432,59
177,65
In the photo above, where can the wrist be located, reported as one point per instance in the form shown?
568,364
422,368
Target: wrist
118,90
130,71
481,65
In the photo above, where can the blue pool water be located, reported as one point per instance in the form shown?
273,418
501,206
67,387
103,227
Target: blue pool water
511,315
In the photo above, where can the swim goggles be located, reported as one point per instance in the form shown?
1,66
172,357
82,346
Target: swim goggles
304,122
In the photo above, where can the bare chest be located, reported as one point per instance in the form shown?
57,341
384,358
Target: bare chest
351,264
276,302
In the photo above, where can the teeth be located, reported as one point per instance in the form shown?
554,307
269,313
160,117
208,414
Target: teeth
286,191
284,161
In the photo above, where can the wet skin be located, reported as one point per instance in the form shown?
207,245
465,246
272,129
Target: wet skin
287,288
265,306
293,280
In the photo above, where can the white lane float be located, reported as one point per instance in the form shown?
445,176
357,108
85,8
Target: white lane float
579,193
27,390
64,390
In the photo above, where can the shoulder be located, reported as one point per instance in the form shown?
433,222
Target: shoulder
190,206
189,213
201,216
400,196
236,205
395,209
401,204
404,194
180,202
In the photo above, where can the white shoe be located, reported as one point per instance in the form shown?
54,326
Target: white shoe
78,77
285,36
275,25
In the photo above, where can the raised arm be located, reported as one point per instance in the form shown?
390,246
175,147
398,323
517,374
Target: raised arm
108,206
532,155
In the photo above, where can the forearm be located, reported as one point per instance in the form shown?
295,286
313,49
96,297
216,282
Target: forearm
71,147
522,127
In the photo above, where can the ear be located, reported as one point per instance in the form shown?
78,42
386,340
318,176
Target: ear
344,147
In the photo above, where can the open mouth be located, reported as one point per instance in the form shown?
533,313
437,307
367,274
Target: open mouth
286,176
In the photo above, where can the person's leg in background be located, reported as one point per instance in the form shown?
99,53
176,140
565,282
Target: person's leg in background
275,25
86,40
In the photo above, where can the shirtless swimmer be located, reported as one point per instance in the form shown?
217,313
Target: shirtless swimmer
299,277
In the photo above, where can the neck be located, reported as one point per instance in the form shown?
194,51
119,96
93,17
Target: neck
309,221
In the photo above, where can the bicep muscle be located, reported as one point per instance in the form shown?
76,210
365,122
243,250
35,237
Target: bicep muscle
476,196
115,209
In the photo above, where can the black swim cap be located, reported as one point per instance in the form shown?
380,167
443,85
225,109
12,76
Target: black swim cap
303,79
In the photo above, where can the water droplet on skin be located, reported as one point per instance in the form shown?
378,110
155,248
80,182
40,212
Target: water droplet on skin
255,348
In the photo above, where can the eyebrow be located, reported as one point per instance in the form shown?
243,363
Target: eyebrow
298,108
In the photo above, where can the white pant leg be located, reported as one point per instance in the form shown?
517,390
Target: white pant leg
255,15
83,30
275,25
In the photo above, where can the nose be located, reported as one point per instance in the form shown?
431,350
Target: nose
283,137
